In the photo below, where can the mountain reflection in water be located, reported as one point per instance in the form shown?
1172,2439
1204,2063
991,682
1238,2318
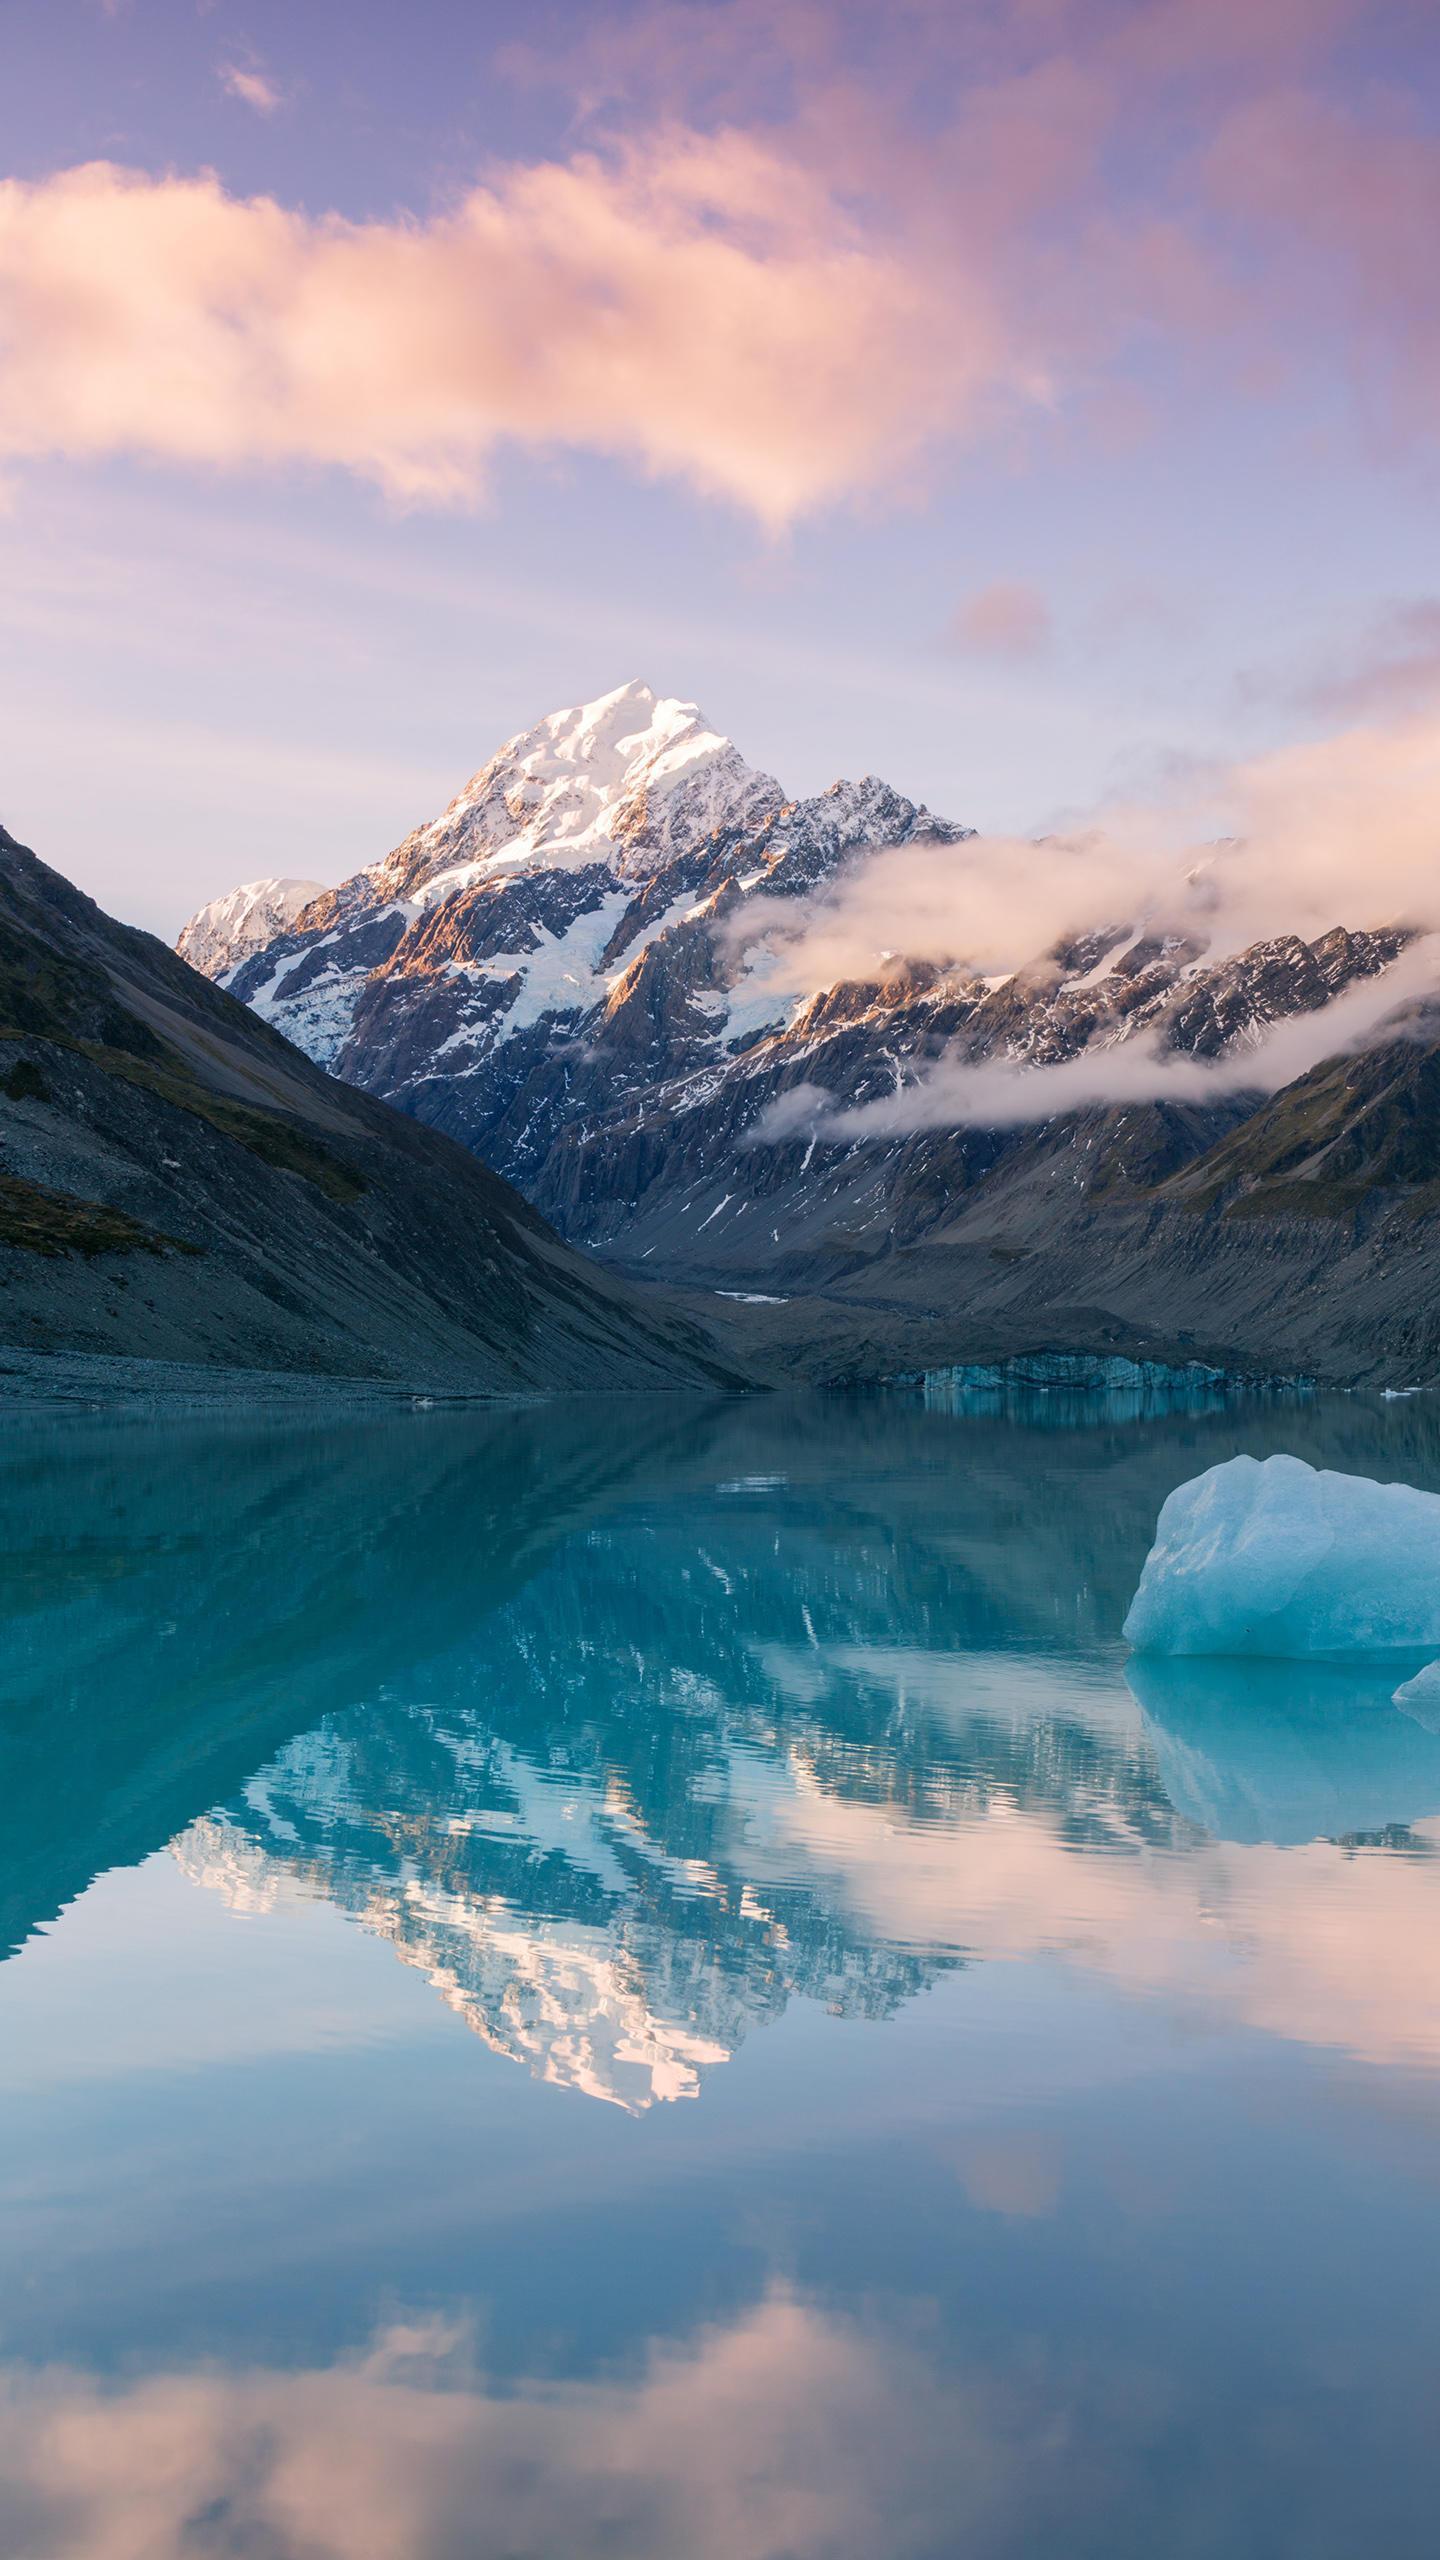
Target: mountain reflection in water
627,1741
1042,2014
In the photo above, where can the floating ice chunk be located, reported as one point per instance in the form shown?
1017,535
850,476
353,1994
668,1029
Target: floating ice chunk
1420,1697
1273,1557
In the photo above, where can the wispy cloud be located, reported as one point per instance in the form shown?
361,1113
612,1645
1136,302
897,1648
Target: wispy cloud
253,87
1339,202
999,1094
1395,669
1007,620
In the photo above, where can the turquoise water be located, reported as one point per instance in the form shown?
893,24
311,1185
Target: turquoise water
644,1981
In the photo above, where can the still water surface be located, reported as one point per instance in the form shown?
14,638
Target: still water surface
648,1981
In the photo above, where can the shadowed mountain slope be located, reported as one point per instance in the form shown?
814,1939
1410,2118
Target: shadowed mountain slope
1295,1234
178,1183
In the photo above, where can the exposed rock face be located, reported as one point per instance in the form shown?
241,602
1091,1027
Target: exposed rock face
675,1171
177,1183
219,936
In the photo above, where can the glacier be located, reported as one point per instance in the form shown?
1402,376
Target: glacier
1271,1556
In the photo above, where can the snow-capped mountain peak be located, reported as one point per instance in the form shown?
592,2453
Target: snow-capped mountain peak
588,870
630,779
633,726
225,931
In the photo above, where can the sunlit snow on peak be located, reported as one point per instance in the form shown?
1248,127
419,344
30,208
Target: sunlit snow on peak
628,779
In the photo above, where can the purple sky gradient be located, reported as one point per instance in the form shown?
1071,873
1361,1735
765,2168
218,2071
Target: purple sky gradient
1124,315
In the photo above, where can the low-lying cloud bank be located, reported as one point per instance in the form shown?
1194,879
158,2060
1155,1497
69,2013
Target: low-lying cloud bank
991,1094
1342,831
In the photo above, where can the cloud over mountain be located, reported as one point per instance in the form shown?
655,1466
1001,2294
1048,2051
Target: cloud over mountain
1341,831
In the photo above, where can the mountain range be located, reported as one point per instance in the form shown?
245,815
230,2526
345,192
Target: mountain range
575,971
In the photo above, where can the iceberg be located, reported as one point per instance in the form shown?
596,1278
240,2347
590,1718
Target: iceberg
1420,1697
1271,1556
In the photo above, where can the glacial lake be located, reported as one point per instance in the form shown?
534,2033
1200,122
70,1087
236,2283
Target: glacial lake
646,1981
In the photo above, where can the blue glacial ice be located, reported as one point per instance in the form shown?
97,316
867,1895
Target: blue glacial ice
1269,1556
1420,1697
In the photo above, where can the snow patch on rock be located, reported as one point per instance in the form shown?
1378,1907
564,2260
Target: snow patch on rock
226,930
318,1017
563,974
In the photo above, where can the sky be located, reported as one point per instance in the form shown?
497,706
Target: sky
1032,401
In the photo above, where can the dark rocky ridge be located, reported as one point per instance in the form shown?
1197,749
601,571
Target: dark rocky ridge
178,1183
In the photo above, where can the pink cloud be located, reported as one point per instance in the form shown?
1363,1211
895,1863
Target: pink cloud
1183,36
977,222
1335,831
1396,671
1006,620
705,309
253,88
786,2432
1341,209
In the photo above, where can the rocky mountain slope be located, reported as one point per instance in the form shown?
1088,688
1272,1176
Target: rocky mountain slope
576,972
1298,1234
178,1183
